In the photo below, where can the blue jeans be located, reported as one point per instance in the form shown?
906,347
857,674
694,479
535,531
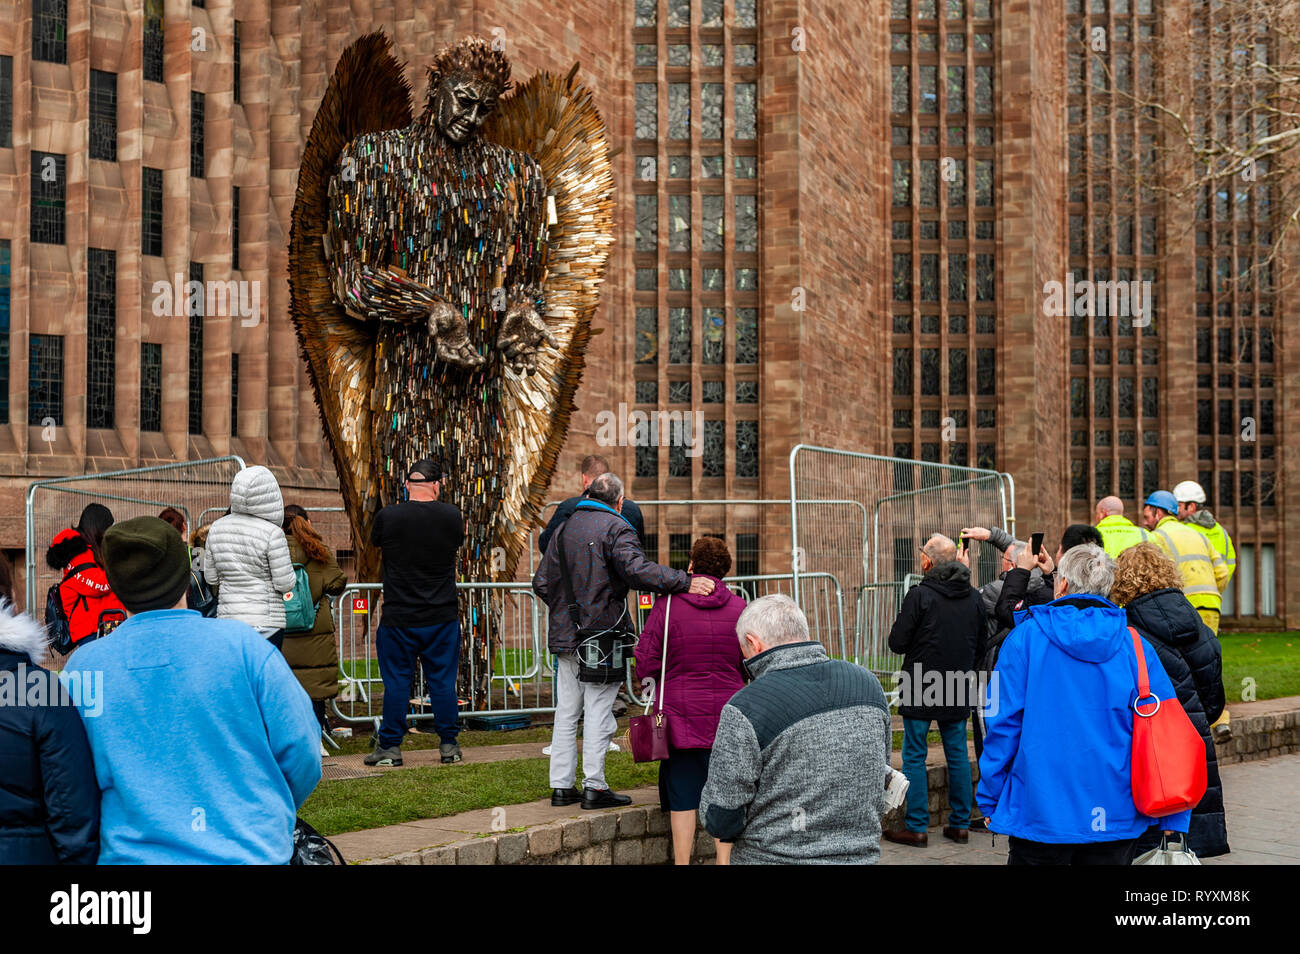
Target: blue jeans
438,647
953,735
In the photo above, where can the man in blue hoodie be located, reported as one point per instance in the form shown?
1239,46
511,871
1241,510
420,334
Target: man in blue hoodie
206,744
1055,773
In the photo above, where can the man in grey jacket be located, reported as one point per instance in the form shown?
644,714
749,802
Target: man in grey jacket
604,560
797,774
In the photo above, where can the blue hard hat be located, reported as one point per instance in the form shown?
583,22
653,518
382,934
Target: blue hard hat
1164,500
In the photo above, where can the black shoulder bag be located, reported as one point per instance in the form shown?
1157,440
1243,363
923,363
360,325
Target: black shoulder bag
601,652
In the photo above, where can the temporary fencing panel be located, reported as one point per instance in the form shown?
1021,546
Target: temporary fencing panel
906,501
191,487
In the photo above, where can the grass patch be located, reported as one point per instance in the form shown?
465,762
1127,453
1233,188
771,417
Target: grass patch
1271,660
409,794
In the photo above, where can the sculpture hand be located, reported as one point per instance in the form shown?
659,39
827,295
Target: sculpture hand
448,328
521,336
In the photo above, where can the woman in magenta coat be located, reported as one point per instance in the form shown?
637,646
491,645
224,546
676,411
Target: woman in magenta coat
704,670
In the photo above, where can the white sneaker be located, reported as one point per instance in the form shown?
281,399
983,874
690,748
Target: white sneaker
613,747
895,789
546,751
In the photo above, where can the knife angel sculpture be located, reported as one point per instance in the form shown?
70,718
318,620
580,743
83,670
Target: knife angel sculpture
444,270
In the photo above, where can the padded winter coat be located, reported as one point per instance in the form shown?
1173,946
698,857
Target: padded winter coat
49,799
705,667
85,594
247,556
314,656
1191,656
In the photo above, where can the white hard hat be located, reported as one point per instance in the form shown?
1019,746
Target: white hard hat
1189,491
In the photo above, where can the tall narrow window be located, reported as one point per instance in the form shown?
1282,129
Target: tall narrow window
234,228
234,395
196,354
6,102
50,30
153,40
237,66
45,381
49,191
150,386
198,167
4,330
747,448
103,115
151,211
101,336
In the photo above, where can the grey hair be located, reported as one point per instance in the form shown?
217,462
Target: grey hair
940,549
1014,550
606,488
775,619
1088,569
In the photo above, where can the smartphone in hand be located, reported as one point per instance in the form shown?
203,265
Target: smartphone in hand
1035,543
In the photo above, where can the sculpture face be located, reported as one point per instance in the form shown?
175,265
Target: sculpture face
461,105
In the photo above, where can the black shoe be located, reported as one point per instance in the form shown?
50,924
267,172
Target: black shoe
565,796
603,798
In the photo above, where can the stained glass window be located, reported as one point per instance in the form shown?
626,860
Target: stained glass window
679,392
746,223
746,54
711,279
103,115
679,13
150,386
679,167
647,54
196,354
746,392
647,336
234,395
234,225
747,279
647,279
985,371
746,166
5,266
746,336
903,372
929,370
153,40
746,554
746,15
747,448
679,464
713,462
101,337
679,279
712,223
679,54
198,165
679,223
711,54
647,460
746,106
711,13
45,381
50,31
711,167
645,12
714,392
679,110
711,111
647,111
151,211
714,345
7,102
647,223
647,392
679,336
49,190
957,376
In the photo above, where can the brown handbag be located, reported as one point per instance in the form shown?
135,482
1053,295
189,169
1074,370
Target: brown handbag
648,734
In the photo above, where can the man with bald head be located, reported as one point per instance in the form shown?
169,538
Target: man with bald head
1118,533
940,632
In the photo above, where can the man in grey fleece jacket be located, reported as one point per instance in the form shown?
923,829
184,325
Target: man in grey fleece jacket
797,774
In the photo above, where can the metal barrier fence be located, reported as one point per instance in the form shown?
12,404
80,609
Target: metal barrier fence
522,680
192,487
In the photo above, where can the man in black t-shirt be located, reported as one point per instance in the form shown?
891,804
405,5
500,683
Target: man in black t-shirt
419,539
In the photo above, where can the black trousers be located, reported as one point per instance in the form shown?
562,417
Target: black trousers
1025,852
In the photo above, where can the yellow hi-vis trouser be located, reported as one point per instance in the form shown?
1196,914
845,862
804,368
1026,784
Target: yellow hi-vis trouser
1211,619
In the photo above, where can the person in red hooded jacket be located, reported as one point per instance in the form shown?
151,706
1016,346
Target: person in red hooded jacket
84,589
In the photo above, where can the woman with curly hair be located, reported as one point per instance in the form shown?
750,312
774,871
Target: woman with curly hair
704,670
313,654
1149,587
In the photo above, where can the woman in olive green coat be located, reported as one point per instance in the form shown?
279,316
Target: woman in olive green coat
314,655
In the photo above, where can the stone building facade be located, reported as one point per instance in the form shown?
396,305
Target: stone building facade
835,226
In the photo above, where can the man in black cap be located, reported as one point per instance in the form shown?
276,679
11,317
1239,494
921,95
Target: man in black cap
419,539
205,745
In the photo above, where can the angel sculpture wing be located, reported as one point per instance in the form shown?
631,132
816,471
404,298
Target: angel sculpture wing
551,119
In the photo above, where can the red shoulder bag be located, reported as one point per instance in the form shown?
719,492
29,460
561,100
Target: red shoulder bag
1168,753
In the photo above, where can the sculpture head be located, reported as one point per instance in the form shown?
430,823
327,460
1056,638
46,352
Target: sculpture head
465,81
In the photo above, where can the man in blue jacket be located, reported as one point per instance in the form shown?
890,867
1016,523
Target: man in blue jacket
206,744
1055,773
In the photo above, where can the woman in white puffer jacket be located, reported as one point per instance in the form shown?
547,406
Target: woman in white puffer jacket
247,557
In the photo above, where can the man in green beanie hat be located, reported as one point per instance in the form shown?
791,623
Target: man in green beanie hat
206,744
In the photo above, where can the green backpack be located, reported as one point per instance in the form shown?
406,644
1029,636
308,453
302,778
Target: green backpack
299,610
